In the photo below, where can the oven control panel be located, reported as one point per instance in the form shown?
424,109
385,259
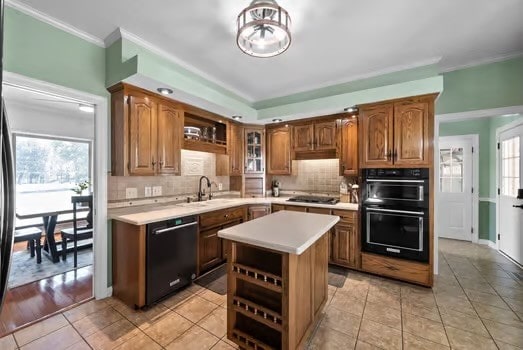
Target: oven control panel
412,173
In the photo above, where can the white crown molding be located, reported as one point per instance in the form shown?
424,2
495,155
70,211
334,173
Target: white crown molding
28,10
124,34
351,78
494,59
482,113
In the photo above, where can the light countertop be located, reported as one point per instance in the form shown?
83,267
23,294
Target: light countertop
146,214
283,231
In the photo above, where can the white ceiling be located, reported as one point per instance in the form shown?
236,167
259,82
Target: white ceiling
38,101
334,41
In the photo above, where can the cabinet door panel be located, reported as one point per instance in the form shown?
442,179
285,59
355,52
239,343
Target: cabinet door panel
236,149
210,249
258,212
170,139
254,151
303,136
345,246
349,147
411,142
325,135
279,151
376,136
143,136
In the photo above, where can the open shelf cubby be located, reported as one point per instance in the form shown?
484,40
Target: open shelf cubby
265,336
259,259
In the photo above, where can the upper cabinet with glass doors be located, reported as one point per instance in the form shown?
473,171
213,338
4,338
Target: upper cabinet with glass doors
254,151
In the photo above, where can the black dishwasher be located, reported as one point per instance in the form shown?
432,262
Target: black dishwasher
171,256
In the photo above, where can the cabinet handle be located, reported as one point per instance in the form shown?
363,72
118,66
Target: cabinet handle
213,235
161,164
395,155
389,155
226,216
153,163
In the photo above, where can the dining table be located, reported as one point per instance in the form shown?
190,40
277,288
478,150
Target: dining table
49,214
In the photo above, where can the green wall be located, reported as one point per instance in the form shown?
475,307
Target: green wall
486,86
486,129
38,50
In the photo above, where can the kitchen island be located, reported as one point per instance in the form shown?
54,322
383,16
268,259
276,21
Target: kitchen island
277,278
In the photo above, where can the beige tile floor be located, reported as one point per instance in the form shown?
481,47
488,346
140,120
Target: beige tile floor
476,303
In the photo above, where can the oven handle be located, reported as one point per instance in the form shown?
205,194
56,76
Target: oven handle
398,181
396,211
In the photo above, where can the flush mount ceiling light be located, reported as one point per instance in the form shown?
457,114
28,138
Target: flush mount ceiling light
236,117
263,29
352,109
86,108
277,120
165,91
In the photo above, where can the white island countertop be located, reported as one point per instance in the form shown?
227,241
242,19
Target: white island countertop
284,231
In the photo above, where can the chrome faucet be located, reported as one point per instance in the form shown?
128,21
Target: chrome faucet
201,194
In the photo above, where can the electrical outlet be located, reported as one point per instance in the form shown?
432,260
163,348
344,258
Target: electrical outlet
148,191
131,192
220,186
157,190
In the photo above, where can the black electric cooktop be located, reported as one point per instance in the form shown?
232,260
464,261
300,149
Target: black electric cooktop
314,199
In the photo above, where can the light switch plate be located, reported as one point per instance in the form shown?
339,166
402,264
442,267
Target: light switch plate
148,191
220,186
131,192
157,190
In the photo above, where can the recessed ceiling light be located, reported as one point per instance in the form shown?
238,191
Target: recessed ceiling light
165,91
86,108
277,120
510,115
236,117
351,109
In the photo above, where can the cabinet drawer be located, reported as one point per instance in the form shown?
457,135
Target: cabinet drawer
348,216
221,217
319,210
277,207
401,269
295,208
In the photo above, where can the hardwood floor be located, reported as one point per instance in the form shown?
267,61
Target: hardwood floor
37,300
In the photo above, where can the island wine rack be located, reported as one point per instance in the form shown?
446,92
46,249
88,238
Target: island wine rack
274,298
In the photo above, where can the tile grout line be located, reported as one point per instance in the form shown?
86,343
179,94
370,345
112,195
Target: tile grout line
437,305
473,307
362,315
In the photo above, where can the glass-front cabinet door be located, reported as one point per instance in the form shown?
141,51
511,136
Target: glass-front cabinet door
254,151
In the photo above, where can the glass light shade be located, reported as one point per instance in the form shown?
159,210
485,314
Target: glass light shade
263,29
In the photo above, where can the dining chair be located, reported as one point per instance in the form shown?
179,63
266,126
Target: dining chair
77,233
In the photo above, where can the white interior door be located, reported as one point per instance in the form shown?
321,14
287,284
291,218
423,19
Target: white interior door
510,181
455,188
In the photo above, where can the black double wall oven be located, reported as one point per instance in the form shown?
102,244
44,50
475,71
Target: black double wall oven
395,213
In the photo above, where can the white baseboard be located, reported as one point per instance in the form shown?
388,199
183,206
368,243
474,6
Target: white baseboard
107,294
488,242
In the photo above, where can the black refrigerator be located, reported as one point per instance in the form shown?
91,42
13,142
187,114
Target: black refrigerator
7,205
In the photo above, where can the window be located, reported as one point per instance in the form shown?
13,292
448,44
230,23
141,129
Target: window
47,169
510,166
451,170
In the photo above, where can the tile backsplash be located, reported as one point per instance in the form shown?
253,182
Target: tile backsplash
194,165
318,175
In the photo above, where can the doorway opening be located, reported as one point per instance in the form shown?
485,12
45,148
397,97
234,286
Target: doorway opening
509,213
52,261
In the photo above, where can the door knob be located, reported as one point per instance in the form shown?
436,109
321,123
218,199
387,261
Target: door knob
518,206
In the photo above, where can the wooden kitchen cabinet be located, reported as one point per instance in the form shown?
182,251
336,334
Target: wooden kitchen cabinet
143,135
254,150
376,135
349,147
257,211
146,133
209,249
398,133
411,133
345,240
279,150
314,136
170,139
235,149
325,135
